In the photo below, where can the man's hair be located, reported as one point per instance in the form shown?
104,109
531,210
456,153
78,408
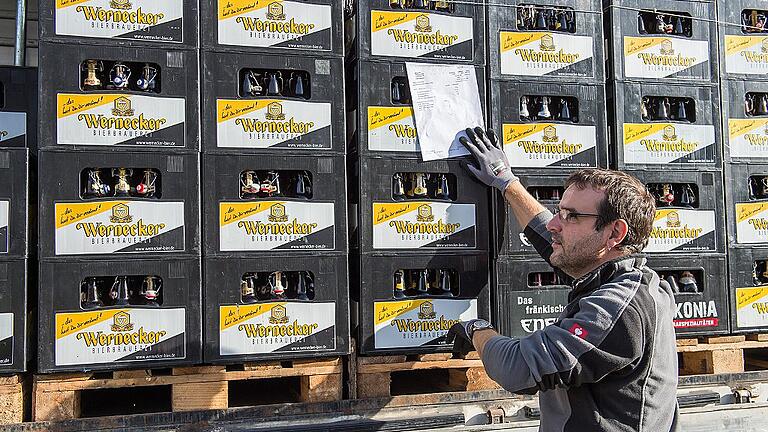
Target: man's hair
625,198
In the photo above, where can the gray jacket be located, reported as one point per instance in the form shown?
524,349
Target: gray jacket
609,362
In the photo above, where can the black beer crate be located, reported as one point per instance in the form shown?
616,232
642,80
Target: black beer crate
417,319
89,99
743,48
18,107
748,283
549,125
527,296
509,239
294,27
247,319
659,126
13,316
137,23
107,315
409,205
380,119
661,41
379,29
701,292
262,205
546,40
258,103
746,201
14,202
107,204
689,211
745,121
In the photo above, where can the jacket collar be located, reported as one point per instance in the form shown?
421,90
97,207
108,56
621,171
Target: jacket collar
606,272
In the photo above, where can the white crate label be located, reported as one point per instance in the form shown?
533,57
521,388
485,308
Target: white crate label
119,335
661,57
746,55
4,234
536,145
276,225
542,53
748,138
663,143
116,119
140,20
424,225
278,24
277,327
752,222
683,230
392,129
418,34
417,323
6,339
273,123
119,227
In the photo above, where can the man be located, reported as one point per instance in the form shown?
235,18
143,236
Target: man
609,361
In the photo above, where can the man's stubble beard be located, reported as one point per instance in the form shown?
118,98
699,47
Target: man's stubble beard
579,259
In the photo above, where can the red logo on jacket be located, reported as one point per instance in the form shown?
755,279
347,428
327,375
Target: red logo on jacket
579,331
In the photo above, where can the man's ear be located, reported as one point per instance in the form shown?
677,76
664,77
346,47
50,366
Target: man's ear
618,233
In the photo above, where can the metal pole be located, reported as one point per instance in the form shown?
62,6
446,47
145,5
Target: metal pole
20,53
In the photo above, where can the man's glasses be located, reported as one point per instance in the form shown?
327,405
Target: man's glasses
569,216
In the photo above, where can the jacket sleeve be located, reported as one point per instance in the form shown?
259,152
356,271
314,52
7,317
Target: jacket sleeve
541,239
603,337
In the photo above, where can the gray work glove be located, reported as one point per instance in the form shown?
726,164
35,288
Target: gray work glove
460,334
492,166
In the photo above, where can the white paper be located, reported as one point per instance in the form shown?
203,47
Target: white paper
446,101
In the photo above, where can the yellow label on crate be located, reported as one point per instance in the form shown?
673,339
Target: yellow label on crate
549,144
748,137
752,222
392,129
662,57
542,53
423,225
746,54
414,323
419,34
662,143
752,307
681,230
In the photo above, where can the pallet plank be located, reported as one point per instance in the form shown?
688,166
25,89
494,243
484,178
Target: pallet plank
200,396
11,400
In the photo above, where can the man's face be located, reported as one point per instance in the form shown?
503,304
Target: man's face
576,246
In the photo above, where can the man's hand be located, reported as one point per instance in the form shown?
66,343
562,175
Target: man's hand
460,334
492,165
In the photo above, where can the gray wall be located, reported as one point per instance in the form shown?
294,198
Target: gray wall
8,31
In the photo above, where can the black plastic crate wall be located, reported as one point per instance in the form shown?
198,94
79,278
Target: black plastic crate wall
700,285
276,306
663,125
294,27
128,98
407,302
380,119
442,31
267,205
120,23
554,126
14,203
748,274
258,103
747,204
508,236
743,28
745,121
18,107
546,40
690,218
528,295
14,327
115,205
662,41
117,314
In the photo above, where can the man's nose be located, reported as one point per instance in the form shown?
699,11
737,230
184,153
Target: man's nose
554,224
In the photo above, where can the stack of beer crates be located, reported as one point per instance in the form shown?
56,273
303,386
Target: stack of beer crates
119,231
547,95
664,107
274,185
419,230
18,139
744,86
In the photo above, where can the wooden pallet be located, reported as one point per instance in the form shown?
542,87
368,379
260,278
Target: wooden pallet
389,376
12,394
722,354
61,396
